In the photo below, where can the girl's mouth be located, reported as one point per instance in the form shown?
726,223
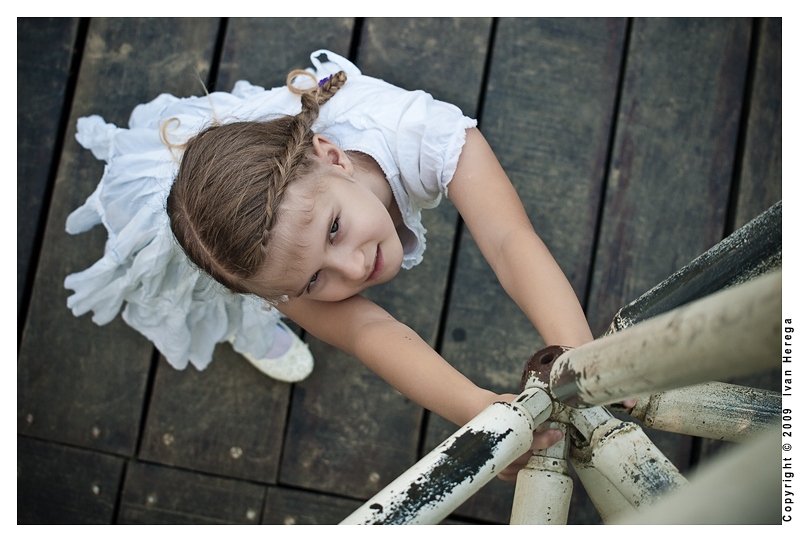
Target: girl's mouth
378,266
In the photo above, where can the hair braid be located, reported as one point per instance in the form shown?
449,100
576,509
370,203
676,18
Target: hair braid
226,199
300,143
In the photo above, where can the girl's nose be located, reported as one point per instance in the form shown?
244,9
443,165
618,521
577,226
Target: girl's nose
351,264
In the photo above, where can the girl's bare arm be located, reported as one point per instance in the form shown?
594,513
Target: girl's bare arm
493,212
397,354
394,351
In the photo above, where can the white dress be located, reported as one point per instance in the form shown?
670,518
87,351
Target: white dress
415,139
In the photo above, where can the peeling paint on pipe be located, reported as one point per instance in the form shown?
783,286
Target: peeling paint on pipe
607,499
714,410
741,486
444,479
750,251
625,456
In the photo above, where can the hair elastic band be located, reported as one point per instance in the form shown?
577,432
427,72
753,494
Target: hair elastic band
323,81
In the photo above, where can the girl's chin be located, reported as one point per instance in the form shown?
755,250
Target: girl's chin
389,274
392,268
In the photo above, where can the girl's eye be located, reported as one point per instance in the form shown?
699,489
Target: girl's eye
334,229
332,234
311,283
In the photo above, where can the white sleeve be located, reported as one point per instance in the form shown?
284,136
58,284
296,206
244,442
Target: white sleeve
430,136
422,135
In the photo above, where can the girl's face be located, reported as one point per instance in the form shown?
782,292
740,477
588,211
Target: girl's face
338,238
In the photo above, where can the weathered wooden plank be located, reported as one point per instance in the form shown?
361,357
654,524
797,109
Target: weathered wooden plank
230,419
289,506
264,51
44,52
159,495
411,53
547,115
349,432
57,484
673,155
672,165
77,382
760,180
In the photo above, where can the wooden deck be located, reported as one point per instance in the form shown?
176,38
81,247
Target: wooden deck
635,145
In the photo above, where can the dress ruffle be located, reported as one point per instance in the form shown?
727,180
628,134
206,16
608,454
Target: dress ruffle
181,310
166,298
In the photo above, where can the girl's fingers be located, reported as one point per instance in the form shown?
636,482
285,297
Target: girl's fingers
510,473
546,438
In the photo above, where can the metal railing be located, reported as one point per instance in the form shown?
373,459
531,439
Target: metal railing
715,319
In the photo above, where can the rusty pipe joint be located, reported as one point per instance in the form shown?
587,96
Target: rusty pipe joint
538,366
537,376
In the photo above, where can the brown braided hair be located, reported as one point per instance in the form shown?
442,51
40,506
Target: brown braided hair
226,198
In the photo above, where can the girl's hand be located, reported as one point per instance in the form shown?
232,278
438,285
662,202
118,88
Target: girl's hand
541,440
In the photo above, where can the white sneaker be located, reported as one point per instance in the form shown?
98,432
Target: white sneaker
293,365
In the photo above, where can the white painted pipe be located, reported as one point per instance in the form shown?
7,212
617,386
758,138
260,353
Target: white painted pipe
731,333
607,499
625,456
742,486
544,487
445,478
714,410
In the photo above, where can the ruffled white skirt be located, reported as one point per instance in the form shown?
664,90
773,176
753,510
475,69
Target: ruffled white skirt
180,309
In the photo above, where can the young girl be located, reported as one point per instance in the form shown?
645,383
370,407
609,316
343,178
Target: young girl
296,199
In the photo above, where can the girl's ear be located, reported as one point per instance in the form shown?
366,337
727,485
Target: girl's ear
331,154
